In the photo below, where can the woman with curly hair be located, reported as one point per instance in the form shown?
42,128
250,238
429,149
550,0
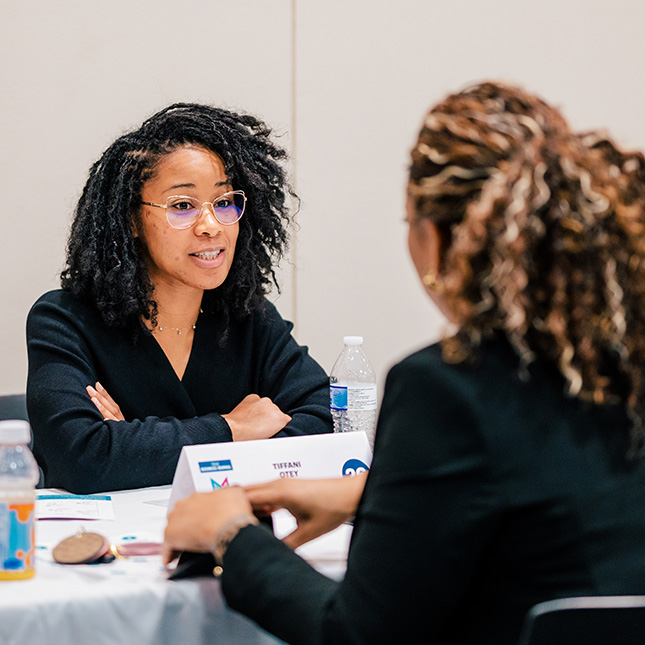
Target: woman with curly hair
508,463
161,335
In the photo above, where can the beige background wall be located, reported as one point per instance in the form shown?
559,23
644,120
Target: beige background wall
345,81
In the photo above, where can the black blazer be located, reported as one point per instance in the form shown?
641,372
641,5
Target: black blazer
487,494
69,348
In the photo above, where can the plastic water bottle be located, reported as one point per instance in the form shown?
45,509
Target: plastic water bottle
352,385
18,478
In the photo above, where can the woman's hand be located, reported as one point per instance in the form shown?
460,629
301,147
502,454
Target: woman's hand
319,505
255,418
105,403
194,522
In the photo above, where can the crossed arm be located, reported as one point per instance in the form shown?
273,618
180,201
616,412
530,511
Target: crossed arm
253,418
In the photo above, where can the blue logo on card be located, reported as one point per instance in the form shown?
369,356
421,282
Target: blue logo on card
354,467
215,466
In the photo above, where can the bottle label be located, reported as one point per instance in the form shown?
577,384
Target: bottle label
338,397
353,396
16,540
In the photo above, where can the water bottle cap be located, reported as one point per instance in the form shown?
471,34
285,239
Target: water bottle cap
353,340
14,431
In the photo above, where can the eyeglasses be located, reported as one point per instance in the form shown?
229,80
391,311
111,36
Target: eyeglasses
182,211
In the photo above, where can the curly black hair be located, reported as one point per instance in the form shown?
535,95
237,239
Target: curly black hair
105,261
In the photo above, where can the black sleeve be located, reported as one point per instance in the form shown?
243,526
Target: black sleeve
428,510
75,447
293,380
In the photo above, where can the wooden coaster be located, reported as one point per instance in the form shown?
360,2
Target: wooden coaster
81,548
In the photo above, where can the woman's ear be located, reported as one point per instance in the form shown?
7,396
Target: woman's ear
434,246
425,245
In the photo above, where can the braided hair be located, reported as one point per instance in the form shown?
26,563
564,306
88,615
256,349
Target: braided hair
105,261
543,239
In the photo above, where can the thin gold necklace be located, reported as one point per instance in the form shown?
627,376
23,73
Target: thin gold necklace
179,330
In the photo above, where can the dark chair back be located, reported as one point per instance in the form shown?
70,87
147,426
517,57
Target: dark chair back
598,620
14,406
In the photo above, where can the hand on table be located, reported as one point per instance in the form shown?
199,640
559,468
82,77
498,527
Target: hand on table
319,505
106,405
194,522
255,418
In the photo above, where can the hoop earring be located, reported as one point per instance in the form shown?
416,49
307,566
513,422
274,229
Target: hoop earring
433,282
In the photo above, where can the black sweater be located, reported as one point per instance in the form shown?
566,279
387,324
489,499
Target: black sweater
69,348
487,494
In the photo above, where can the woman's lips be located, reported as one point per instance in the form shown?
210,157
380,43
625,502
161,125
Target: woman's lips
209,258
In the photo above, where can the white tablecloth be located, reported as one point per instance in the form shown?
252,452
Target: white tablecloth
130,600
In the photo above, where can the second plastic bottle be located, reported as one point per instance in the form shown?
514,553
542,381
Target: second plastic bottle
353,390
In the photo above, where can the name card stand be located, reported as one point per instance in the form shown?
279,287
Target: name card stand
207,467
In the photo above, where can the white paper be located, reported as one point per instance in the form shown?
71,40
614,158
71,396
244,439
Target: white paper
207,467
54,506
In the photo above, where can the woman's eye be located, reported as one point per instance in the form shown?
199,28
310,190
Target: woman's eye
222,203
182,206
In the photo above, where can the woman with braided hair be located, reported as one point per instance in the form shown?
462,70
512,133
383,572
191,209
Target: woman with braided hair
508,463
161,335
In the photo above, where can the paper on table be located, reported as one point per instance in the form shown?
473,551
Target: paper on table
157,502
74,507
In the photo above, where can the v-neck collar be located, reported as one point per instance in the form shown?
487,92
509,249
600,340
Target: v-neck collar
166,372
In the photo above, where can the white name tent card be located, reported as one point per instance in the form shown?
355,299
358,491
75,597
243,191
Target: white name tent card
207,467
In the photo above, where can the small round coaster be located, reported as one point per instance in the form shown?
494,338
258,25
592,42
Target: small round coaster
81,548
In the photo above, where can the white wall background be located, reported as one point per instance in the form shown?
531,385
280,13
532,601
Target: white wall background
344,82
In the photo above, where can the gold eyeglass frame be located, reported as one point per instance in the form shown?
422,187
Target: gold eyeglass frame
211,204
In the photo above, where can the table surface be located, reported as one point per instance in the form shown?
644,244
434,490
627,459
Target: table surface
130,600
